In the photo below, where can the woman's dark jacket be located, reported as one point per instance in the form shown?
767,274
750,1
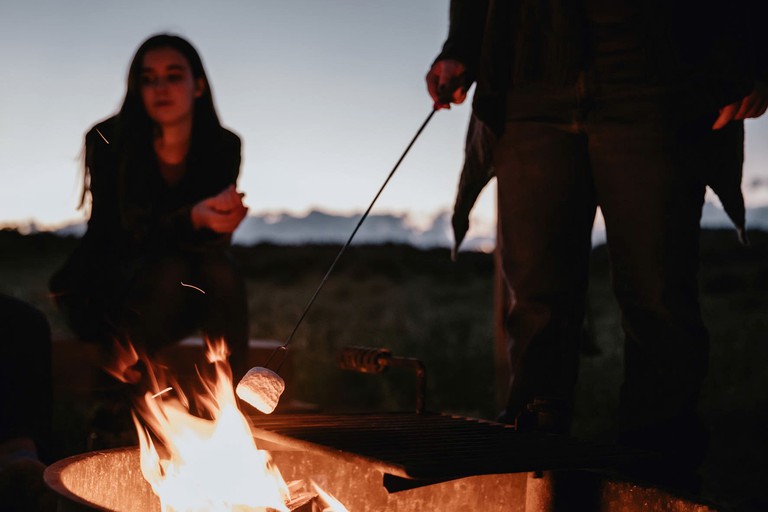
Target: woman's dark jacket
135,215
718,51
132,209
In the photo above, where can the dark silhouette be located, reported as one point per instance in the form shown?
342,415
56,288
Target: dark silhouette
25,405
634,107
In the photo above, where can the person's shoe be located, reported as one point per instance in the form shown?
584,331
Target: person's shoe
546,415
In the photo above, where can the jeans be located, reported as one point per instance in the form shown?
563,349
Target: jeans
622,146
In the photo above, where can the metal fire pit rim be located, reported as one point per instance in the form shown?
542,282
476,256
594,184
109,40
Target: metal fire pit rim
52,476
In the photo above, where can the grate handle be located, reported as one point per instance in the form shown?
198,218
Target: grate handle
377,360
364,359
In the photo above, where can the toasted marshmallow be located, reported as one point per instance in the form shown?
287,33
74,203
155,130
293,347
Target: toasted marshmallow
261,387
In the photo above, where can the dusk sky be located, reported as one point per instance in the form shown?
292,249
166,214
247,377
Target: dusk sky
324,93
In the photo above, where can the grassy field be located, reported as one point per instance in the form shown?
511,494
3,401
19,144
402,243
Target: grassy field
419,304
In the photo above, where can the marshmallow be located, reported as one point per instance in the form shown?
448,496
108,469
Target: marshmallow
261,387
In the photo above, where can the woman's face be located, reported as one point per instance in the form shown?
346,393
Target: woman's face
168,88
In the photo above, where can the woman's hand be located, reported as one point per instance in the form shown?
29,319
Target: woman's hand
750,106
221,213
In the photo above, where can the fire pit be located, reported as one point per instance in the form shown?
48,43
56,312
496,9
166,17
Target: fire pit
387,471
111,480
360,462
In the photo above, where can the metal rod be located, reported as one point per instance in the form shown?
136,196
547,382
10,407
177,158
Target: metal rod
421,378
311,301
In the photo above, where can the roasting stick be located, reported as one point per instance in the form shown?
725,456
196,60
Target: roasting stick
262,387
311,301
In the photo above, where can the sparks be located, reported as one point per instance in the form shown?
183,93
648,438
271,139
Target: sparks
192,286
102,136
162,392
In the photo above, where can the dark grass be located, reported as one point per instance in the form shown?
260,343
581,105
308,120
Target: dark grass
419,304
376,297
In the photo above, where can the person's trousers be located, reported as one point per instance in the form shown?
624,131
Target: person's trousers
565,151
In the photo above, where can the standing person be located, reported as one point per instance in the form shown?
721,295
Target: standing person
161,175
632,106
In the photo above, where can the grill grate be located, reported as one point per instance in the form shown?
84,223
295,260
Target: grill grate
434,446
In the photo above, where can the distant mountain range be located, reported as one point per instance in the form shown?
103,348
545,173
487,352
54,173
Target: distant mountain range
318,227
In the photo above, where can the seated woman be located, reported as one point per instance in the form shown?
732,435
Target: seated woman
154,264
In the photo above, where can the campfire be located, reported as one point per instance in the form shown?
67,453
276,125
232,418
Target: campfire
198,453
202,455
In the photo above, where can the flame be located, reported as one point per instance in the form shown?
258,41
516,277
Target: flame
211,465
125,356
196,464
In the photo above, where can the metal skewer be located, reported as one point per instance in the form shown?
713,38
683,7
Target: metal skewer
261,387
283,347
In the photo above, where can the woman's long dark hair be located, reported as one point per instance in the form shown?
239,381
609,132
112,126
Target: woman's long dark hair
134,129
133,116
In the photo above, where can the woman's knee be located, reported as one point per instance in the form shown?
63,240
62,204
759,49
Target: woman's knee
219,274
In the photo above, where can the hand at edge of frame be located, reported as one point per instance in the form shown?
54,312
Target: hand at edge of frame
444,74
751,106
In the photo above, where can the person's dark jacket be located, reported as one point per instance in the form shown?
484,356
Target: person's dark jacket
503,42
135,216
133,209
